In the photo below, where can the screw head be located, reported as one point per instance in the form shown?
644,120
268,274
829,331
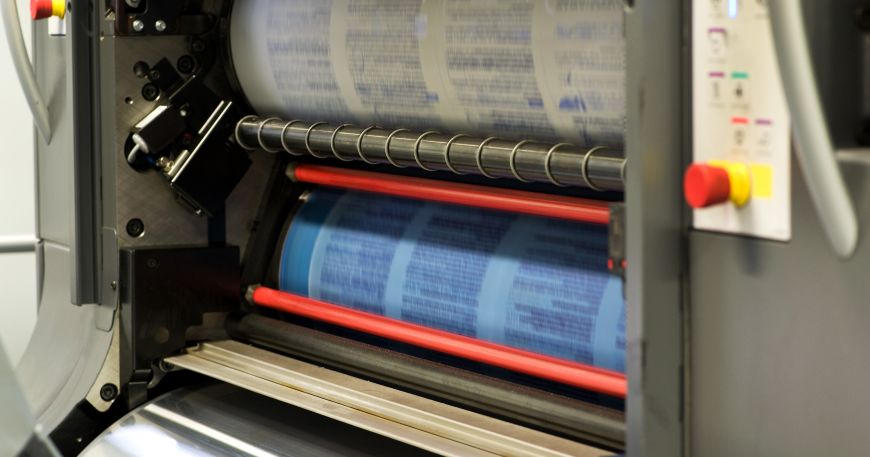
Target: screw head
138,25
140,69
135,227
160,26
185,64
150,92
108,392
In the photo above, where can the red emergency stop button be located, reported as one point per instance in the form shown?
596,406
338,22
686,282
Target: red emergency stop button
42,9
706,185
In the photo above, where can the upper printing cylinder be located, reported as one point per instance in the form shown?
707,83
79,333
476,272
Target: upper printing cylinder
517,69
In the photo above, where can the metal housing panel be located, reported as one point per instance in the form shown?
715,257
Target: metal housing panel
54,161
779,330
66,350
780,339
655,32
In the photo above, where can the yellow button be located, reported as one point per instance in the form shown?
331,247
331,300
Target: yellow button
58,8
738,177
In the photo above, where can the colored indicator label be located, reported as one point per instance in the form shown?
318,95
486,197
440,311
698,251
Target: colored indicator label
739,75
762,180
740,120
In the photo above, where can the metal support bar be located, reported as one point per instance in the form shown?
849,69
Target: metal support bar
18,244
427,424
564,371
518,201
561,164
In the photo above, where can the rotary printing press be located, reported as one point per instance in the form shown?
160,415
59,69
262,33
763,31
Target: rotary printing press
398,227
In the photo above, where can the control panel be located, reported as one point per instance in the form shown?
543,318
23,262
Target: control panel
740,177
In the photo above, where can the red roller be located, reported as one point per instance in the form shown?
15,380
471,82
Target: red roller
542,366
518,201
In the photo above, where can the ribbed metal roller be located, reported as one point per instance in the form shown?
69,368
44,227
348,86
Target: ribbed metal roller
561,164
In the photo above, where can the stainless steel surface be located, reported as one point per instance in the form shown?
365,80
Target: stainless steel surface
595,168
424,423
223,420
655,37
573,418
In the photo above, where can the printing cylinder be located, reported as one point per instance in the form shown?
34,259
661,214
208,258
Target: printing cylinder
532,283
522,69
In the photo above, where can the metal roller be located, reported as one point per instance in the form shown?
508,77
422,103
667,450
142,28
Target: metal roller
561,164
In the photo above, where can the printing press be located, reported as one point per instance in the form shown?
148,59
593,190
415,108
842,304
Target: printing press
448,227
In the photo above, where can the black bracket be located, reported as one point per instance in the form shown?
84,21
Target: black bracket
168,296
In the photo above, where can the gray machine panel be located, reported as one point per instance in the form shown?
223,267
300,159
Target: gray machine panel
66,349
654,242
779,330
54,160
779,339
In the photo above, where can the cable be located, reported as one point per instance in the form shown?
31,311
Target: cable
23,68
814,151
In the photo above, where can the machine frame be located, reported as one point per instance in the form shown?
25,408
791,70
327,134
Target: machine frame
95,98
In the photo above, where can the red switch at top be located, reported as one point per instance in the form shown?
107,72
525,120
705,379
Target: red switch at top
706,185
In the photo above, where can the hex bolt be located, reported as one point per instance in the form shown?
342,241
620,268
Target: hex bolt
138,25
160,26
108,392
135,227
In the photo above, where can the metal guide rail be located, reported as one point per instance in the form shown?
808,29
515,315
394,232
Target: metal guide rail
408,418
560,164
